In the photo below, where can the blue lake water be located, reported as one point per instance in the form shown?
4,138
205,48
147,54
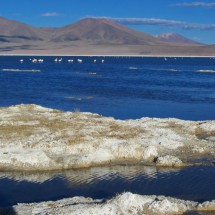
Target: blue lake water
122,87
192,183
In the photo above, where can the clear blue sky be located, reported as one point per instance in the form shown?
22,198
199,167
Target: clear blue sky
194,19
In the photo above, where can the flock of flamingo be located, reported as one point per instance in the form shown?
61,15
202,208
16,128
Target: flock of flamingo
56,60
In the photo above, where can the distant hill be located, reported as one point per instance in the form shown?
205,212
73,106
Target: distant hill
92,36
176,38
101,31
14,31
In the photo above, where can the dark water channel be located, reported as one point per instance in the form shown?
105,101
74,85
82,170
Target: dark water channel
193,183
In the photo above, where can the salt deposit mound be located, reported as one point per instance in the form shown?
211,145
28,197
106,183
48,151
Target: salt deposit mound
124,204
37,138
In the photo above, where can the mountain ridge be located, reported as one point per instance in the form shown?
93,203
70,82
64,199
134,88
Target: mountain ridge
14,29
101,30
177,38
89,36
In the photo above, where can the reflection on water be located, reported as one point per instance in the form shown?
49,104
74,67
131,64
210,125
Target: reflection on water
193,183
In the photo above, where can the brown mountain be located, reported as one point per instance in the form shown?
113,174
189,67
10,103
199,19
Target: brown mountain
176,38
102,31
14,31
89,37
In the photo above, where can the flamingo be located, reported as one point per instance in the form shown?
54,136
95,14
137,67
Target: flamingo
34,60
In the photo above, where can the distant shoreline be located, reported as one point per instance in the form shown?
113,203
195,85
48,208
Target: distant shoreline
67,55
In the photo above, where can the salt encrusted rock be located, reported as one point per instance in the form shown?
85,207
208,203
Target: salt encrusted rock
168,160
208,206
150,153
123,204
166,207
198,149
37,138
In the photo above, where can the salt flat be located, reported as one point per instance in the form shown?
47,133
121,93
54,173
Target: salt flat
123,204
38,138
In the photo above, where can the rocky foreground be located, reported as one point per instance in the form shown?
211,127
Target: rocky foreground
124,204
37,138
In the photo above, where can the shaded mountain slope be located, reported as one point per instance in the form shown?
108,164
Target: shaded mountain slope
14,31
176,38
102,31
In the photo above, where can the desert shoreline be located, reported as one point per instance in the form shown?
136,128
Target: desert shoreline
86,55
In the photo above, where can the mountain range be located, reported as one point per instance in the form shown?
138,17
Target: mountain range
92,36
176,38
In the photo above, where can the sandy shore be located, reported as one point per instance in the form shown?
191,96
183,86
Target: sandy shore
38,138
100,55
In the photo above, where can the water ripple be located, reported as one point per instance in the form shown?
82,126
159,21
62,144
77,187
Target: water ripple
192,183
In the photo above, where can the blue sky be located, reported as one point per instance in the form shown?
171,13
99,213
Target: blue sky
194,19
